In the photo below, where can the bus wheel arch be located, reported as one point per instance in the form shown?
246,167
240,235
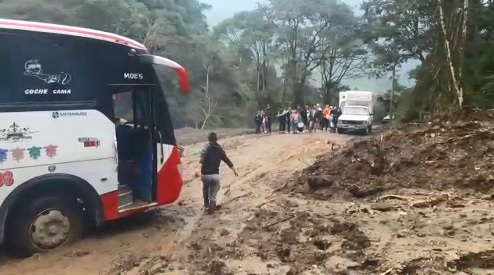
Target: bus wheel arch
69,192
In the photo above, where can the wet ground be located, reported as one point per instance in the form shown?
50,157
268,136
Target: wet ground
416,201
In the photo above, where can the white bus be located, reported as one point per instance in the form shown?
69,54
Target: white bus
85,133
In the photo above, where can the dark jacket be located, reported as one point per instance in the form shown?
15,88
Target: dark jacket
318,115
211,157
336,114
303,114
258,119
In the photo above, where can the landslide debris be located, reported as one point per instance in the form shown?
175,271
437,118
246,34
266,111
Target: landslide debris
438,155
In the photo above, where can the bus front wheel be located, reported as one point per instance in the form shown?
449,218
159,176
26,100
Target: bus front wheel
43,224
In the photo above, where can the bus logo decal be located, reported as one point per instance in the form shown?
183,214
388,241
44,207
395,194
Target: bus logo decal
67,114
18,154
6,178
33,68
15,133
50,150
34,152
3,155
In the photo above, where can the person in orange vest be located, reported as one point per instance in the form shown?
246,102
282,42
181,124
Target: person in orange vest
325,117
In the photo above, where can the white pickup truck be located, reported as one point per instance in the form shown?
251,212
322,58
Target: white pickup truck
357,109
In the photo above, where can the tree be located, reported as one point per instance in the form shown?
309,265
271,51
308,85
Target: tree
451,39
343,54
404,26
253,38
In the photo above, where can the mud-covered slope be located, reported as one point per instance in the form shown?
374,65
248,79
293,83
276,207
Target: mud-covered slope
437,155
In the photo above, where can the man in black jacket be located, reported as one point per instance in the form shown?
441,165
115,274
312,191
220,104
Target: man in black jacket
211,157
258,120
335,114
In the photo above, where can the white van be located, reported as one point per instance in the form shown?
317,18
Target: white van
357,109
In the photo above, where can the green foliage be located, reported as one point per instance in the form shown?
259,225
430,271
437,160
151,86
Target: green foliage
400,30
273,54
176,29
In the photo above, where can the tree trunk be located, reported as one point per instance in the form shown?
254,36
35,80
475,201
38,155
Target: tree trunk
461,49
208,101
456,83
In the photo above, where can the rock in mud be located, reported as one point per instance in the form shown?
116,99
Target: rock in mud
218,268
317,182
483,259
224,232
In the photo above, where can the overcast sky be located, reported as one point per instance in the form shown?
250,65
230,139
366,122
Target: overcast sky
223,9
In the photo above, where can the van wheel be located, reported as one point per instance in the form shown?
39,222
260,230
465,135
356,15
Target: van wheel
44,224
370,128
365,131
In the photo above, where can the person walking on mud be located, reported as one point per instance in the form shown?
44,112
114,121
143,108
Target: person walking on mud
211,156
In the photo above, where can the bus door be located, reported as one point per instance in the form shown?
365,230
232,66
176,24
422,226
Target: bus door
136,145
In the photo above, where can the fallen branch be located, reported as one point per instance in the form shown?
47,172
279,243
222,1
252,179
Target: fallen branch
278,221
394,197
228,191
428,202
387,271
264,203
237,197
278,189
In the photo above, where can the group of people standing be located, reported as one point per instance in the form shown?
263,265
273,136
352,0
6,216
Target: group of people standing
263,122
308,119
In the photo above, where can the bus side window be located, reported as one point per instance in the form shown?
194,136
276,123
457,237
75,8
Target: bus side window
5,72
37,69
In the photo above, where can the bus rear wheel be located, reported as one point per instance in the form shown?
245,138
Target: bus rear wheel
44,224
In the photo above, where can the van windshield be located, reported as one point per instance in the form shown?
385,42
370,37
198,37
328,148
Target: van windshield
356,110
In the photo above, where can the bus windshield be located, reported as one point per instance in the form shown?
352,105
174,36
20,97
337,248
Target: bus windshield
160,63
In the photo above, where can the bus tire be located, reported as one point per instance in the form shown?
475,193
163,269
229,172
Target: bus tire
44,224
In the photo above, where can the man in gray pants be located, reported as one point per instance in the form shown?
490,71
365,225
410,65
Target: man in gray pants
211,157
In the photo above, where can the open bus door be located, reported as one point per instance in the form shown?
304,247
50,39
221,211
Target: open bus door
168,182
148,156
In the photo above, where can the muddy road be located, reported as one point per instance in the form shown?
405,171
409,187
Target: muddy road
171,239
415,200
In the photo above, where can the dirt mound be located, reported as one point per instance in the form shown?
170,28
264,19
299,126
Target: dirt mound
467,114
436,155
